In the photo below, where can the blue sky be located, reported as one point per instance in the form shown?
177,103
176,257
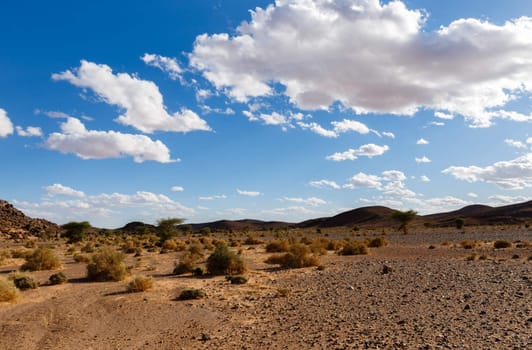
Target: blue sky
120,111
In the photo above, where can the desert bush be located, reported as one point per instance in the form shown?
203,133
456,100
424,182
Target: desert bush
469,244
501,244
107,265
24,282
278,246
58,278
175,245
4,255
334,245
225,262
81,258
192,293
196,249
354,248
237,279
8,291
75,231
472,257
283,292
446,243
297,257
20,253
186,264
459,223
140,284
250,240
42,258
88,248
377,242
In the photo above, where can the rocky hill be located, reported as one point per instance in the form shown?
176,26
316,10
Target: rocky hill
15,224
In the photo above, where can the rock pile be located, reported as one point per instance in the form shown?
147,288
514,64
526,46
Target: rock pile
14,224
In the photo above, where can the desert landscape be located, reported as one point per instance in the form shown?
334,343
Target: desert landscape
367,284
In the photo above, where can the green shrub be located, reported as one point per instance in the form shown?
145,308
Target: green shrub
501,244
24,282
225,262
297,257
186,264
75,231
107,265
377,242
354,248
42,258
58,278
8,291
140,284
193,293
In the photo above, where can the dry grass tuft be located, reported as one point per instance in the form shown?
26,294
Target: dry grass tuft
354,248
8,291
42,258
298,256
140,284
107,265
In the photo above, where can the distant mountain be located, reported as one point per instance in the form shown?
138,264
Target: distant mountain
241,225
15,224
366,216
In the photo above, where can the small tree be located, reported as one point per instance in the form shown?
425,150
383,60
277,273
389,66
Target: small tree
404,218
75,231
166,228
459,223
223,261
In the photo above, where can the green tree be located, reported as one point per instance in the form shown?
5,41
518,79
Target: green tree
404,218
75,231
166,228
459,222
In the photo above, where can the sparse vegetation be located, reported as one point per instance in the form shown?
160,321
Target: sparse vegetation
8,291
278,246
501,244
42,258
186,264
469,244
225,262
354,248
459,223
192,293
404,218
58,278
140,284
377,242
24,282
107,265
298,256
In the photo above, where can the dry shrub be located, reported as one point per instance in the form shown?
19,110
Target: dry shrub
175,245
469,244
140,284
250,240
196,249
501,244
8,291
377,242
192,293
58,278
446,243
107,265
225,262
20,253
81,258
42,258
4,255
186,264
298,256
278,246
354,248
472,257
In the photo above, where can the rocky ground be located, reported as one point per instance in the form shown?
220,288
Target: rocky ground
428,299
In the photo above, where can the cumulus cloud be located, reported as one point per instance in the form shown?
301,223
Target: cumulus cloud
248,193
104,209
338,128
6,127
324,184
516,144
504,200
141,100
423,159
177,189
469,67
311,201
362,180
424,178
472,195
369,150
92,144
60,190
512,174
442,115
166,64
422,141
30,131
389,134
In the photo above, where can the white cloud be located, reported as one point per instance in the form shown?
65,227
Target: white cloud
213,197
166,64
312,201
338,127
248,193
468,67
288,211
104,209
30,131
317,129
141,100
60,190
369,150
504,200
6,127
362,180
422,141
423,160
91,144
443,116
472,195
424,178
436,124
393,175
516,144
512,174
324,183
389,134
177,189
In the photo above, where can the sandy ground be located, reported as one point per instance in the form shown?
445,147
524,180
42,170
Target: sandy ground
432,299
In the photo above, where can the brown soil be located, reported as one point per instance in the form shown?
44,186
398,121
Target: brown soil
431,299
